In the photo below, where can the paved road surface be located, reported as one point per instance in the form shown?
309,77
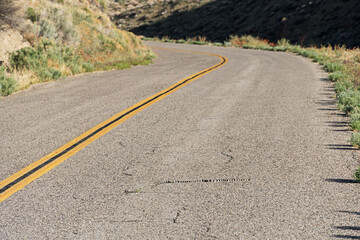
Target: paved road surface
265,119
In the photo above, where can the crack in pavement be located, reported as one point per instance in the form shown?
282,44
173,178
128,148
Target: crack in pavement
228,155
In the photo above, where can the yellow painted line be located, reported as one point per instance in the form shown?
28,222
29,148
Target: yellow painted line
35,170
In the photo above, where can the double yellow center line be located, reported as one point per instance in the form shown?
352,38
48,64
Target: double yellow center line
25,176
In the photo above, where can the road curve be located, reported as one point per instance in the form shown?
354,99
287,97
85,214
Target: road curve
252,150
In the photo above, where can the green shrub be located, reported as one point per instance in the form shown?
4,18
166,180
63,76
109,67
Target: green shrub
168,40
341,86
348,99
338,76
267,48
106,44
218,44
294,49
32,14
48,73
56,24
24,58
283,42
88,66
79,17
333,67
134,40
64,26
357,58
198,42
309,54
102,3
357,174
355,139
180,41
355,121
45,58
48,29
280,49
355,125
319,59
355,110
7,85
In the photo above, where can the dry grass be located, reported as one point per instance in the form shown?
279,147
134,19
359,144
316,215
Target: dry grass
71,37
25,78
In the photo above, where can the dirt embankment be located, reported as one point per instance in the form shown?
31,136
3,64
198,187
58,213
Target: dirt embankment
49,39
12,24
307,22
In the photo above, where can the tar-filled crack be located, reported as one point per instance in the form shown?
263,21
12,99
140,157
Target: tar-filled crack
126,170
125,221
229,156
132,191
207,180
176,217
153,150
178,213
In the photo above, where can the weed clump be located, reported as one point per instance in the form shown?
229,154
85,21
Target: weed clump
357,174
248,41
338,76
348,100
46,60
284,43
32,14
355,139
180,41
341,86
355,121
333,67
8,85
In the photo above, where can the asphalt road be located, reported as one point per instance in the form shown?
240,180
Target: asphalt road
264,126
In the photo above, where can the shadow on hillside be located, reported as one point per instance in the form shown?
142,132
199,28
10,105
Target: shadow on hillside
7,12
316,22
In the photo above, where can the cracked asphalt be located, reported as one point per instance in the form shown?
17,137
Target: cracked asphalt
267,120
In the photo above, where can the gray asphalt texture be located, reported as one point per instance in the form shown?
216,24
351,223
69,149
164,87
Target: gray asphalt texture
266,118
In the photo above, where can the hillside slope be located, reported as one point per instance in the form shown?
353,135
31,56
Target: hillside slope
305,22
61,38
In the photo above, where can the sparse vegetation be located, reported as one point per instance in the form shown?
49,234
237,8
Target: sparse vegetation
355,139
338,76
355,121
357,175
334,67
7,84
32,15
47,59
67,38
